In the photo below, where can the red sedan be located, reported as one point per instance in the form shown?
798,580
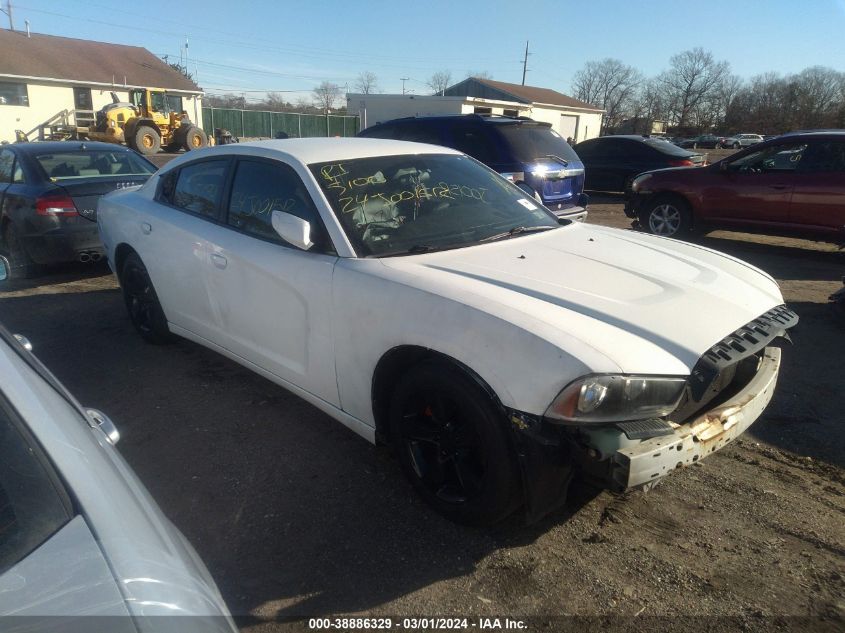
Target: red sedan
791,184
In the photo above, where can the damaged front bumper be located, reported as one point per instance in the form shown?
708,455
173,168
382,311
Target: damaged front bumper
650,460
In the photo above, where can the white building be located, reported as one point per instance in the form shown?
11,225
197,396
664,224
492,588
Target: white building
43,75
569,117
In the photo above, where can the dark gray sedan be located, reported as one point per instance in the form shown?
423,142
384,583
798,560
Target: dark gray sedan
48,199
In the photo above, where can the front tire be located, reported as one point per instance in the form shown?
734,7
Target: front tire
736,146
147,140
452,444
195,139
667,217
142,302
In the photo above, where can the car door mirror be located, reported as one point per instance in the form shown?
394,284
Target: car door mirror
4,268
723,165
292,229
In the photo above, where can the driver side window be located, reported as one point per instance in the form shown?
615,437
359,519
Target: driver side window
258,189
784,157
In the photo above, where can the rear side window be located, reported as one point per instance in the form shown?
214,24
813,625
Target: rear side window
824,157
7,162
198,187
420,133
259,188
475,141
32,506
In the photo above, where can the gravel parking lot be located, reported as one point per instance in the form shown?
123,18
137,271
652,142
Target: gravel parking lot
297,517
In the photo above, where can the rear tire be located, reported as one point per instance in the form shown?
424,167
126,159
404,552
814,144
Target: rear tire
667,216
142,302
452,444
195,139
21,265
147,140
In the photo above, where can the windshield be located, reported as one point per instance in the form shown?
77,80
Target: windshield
396,205
93,164
530,142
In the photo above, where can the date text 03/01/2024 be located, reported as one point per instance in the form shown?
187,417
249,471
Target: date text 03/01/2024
425,623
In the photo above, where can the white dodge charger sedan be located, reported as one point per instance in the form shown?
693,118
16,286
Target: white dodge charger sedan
422,300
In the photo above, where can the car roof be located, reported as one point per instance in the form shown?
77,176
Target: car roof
38,147
492,119
830,132
320,150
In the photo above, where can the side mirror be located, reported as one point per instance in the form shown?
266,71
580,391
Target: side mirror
4,268
723,165
292,229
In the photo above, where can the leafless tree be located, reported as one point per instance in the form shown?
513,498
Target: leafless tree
693,78
439,81
275,101
610,85
326,95
366,83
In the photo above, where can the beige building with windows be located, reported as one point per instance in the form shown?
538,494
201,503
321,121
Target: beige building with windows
44,75
569,117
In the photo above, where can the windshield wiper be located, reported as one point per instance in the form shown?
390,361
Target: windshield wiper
516,231
558,159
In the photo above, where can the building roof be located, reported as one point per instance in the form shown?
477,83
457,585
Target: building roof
489,89
84,61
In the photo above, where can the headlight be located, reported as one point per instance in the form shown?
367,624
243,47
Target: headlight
638,182
595,399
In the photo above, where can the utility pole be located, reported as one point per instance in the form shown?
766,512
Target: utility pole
404,79
8,12
186,56
525,63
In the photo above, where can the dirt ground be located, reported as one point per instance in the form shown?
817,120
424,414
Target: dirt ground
297,517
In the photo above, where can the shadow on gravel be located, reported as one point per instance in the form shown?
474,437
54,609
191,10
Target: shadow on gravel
57,275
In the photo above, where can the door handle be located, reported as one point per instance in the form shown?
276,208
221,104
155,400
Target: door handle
146,228
218,260
780,186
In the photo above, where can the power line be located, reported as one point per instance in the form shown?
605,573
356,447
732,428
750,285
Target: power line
316,53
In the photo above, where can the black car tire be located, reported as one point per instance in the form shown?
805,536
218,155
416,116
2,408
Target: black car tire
452,444
21,265
736,145
147,141
667,216
142,302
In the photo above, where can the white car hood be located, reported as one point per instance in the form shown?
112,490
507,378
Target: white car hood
644,304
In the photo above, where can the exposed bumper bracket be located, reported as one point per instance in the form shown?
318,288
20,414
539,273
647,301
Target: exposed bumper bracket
653,459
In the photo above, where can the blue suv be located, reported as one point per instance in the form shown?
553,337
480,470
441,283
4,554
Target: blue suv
528,153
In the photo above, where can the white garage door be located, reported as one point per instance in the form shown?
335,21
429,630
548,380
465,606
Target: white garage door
568,126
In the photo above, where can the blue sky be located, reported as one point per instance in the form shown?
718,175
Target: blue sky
259,45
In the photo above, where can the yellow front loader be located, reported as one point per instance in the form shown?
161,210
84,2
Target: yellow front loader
146,124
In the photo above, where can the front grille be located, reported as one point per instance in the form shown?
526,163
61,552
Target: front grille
717,367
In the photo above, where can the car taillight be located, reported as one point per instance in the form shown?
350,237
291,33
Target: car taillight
55,205
681,163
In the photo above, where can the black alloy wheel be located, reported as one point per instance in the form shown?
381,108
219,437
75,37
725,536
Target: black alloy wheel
142,303
452,444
